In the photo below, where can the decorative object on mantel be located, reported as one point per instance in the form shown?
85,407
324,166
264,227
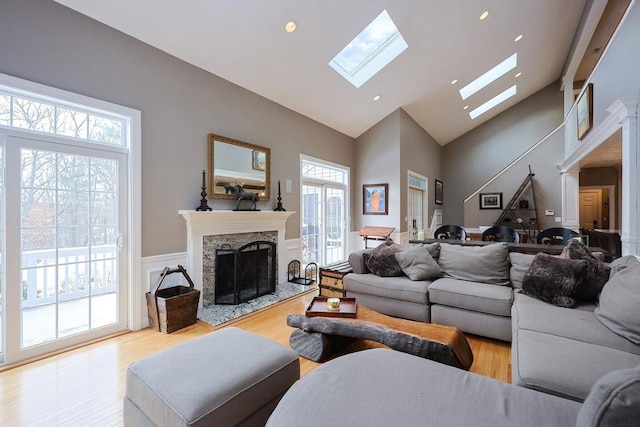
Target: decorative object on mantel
310,273
204,206
244,195
279,205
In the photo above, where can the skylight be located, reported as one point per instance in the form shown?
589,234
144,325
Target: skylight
493,102
490,76
371,50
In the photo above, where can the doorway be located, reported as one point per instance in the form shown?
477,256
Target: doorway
597,207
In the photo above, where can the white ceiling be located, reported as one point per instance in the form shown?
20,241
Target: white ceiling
244,41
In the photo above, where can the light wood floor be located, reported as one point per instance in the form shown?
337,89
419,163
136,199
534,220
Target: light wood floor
85,386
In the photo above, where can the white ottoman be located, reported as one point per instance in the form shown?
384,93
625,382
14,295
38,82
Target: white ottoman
226,378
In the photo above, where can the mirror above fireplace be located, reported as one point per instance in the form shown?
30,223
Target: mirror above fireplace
233,162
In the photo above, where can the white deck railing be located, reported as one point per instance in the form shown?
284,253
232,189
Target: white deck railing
79,273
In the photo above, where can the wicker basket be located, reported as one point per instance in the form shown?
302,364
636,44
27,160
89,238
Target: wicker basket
173,308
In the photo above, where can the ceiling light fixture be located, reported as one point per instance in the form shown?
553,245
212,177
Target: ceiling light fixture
484,15
517,39
290,27
490,76
375,98
454,81
466,107
493,102
518,75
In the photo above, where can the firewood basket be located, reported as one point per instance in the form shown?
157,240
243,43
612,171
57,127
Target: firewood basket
173,308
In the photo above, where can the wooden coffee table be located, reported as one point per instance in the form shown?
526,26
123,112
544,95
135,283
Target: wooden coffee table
317,338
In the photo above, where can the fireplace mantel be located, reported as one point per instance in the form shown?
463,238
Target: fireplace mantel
208,223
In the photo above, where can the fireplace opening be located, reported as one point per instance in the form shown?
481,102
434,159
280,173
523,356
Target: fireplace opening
245,273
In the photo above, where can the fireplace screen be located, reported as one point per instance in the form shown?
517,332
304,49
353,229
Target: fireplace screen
245,273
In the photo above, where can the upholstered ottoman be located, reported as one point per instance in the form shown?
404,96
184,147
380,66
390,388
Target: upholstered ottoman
228,377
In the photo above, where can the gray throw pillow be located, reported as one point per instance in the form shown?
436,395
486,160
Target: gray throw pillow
417,263
619,304
520,264
614,401
621,263
595,276
553,279
381,260
485,264
434,250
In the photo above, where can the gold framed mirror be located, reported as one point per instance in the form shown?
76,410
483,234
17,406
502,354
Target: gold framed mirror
233,162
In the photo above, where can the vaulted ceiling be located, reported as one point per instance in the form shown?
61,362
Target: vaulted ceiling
244,41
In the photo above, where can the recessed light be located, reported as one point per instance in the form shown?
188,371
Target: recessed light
454,81
517,39
484,15
518,75
375,98
290,27
466,107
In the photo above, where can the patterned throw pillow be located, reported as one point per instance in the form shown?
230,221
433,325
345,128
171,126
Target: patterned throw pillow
596,275
381,261
553,279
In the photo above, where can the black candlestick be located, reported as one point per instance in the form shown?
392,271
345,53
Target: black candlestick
203,202
279,206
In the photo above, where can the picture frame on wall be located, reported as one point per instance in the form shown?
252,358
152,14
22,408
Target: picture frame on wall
584,111
438,192
375,199
490,200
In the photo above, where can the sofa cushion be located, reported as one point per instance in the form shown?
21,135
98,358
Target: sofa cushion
417,263
579,323
562,366
411,391
596,274
485,264
614,400
553,279
520,264
473,296
397,288
381,261
619,301
433,248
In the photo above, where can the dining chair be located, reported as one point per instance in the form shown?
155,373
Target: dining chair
450,232
501,234
556,236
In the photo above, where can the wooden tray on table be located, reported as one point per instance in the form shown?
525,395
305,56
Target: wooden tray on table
318,307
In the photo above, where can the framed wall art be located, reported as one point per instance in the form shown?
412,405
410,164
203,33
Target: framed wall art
375,200
438,192
490,200
584,111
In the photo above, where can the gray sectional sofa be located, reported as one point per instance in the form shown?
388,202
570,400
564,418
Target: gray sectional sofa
557,350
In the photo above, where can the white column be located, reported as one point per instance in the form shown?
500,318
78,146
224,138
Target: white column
630,175
571,198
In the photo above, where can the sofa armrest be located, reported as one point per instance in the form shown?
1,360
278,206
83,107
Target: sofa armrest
356,259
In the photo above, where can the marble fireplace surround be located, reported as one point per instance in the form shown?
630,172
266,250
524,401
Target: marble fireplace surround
219,222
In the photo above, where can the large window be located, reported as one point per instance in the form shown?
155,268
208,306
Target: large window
66,203
324,199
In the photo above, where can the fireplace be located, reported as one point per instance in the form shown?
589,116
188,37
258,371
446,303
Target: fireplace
245,273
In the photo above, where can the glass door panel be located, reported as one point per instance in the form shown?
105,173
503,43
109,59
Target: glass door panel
69,228
335,231
312,221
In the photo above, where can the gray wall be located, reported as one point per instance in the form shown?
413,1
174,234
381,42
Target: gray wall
478,155
420,153
45,42
377,161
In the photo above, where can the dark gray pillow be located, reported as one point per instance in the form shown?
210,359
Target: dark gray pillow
381,261
595,276
520,264
614,401
417,263
553,279
619,304
485,264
